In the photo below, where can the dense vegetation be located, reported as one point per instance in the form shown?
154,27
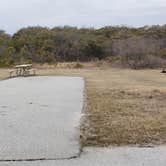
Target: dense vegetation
132,47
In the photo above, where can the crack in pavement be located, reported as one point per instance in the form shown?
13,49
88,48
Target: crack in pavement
39,159
44,159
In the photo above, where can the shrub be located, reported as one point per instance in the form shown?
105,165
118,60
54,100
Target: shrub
138,61
78,65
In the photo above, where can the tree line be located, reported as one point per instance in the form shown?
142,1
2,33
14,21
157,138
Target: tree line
132,47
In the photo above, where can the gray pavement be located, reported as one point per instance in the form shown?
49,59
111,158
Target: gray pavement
39,117
122,156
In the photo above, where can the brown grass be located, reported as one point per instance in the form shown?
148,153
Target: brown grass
123,106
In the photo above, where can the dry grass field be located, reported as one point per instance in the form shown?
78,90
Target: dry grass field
122,106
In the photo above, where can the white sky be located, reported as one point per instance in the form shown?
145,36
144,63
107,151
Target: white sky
16,14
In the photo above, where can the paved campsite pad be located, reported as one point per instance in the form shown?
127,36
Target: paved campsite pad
39,117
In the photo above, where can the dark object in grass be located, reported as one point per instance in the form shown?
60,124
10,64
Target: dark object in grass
163,70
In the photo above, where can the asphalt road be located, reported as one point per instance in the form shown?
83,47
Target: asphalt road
39,117
122,156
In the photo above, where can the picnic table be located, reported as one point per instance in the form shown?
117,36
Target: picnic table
23,70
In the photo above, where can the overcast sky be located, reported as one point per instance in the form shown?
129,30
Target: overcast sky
15,14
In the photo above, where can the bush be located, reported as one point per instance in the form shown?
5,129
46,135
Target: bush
78,65
138,61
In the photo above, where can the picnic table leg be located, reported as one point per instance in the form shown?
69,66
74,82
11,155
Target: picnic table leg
26,72
20,71
23,72
11,72
17,72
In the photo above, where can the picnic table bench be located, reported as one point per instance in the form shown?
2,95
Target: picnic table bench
23,70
